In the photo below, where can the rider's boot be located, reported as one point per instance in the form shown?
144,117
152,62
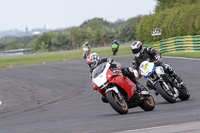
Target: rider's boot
140,87
173,74
180,81
151,87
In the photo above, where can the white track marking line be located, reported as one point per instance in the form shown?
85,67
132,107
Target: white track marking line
144,129
181,58
178,128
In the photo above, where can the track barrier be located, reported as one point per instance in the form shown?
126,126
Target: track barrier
177,44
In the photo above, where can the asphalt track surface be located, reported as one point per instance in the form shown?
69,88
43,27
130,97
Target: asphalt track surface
58,98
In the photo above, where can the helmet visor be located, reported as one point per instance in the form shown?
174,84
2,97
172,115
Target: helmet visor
136,50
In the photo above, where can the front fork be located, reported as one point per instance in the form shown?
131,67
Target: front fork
120,97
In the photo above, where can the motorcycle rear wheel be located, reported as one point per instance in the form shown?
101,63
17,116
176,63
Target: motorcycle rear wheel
114,52
119,106
184,93
85,55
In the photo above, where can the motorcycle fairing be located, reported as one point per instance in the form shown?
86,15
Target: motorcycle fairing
103,77
124,83
150,73
146,67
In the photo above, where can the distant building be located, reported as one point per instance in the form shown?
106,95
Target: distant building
36,33
15,52
46,26
26,31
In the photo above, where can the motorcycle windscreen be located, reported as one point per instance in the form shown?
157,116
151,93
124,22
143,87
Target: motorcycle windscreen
99,75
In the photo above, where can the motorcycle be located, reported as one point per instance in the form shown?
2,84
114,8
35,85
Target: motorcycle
86,52
120,92
165,85
114,48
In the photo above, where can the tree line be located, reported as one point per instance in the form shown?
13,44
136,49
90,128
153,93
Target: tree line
173,17
97,31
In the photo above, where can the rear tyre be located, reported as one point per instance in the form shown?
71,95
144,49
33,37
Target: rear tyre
168,96
114,52
118,105
148,104
184,93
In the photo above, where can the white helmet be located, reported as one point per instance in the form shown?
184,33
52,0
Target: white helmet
93,60
137,48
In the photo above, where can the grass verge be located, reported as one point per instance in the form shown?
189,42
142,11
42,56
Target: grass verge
13,61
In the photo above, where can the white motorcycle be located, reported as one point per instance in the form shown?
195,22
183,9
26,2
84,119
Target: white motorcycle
168,87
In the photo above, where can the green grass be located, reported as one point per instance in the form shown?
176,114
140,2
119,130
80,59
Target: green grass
14,61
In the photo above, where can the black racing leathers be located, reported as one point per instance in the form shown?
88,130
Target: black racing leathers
150,55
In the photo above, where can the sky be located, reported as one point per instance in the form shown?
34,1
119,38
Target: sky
19,14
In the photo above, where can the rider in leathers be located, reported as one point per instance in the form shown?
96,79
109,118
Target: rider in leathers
87,45
149,54
115,42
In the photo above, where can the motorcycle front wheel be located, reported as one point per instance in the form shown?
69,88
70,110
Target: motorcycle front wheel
168,96
119,105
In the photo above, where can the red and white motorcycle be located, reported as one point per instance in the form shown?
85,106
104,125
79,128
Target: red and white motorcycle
120,92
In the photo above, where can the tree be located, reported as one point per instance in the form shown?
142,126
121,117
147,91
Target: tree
46,39
166,4
127,31
177,21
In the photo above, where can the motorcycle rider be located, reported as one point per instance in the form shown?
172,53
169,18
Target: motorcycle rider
87,45
93,60
150,54
115,42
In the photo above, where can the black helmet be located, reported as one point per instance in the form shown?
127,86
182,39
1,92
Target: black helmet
137,48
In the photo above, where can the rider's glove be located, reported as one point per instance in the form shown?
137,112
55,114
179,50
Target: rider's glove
157,57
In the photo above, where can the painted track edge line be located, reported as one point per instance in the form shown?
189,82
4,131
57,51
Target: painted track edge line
190,127
185,58
144,129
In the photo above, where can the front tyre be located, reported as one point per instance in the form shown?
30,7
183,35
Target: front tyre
168,96
148,104
85,55
118,105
